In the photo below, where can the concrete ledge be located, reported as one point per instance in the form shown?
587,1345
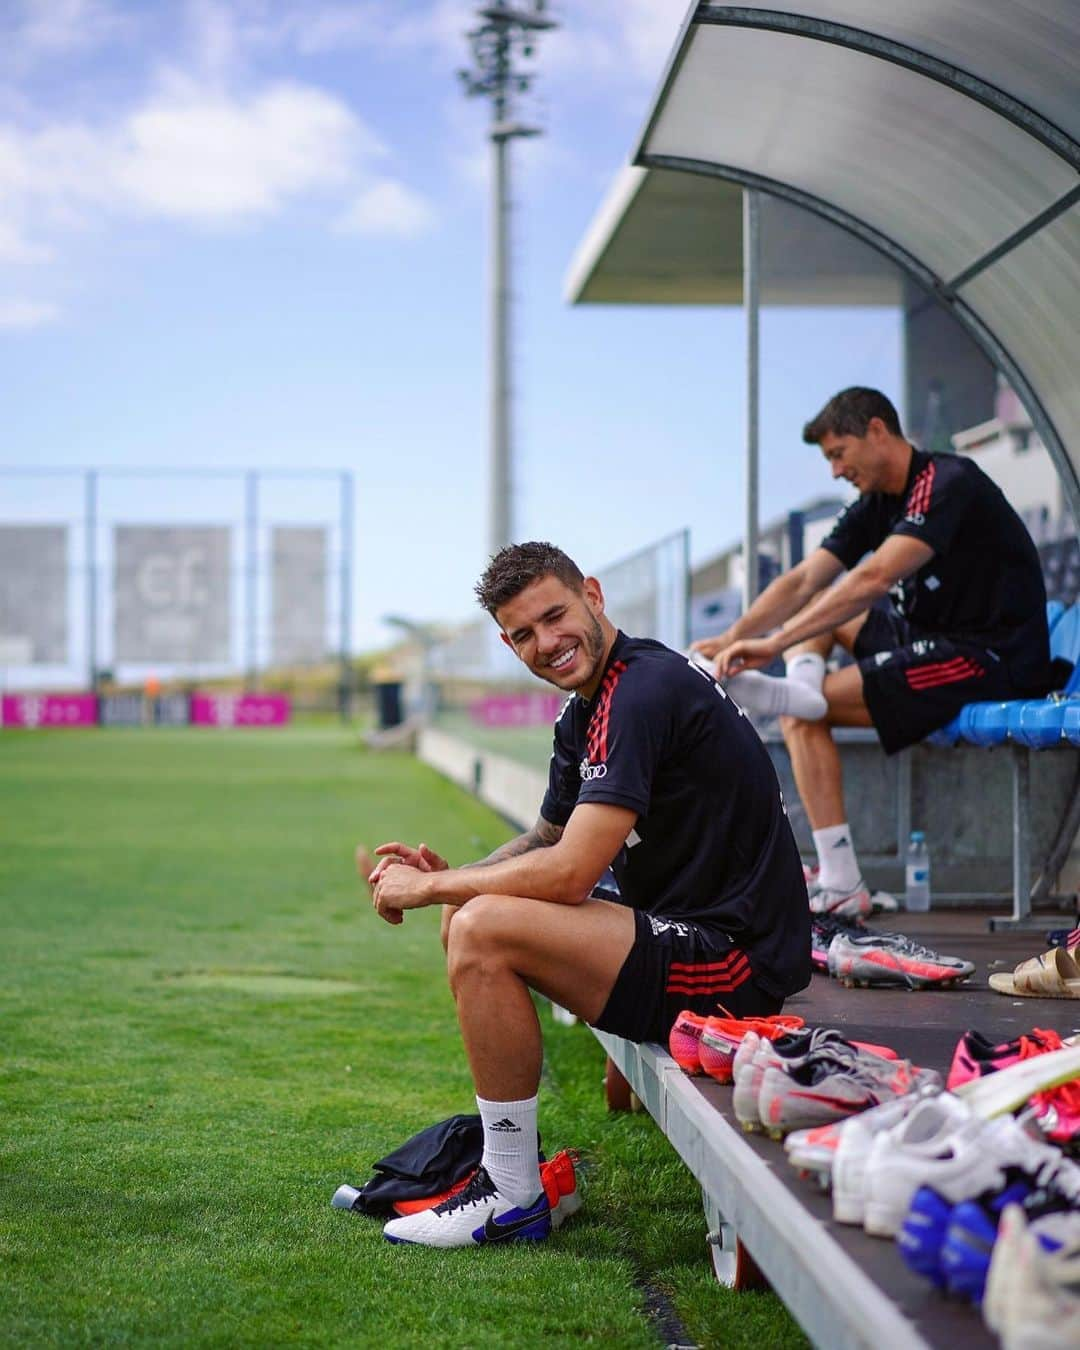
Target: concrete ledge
835,1302
512,789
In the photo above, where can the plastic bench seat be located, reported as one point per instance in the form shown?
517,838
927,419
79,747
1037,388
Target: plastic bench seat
1038,723
1025,725
1070,727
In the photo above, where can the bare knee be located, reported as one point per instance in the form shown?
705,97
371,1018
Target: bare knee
796,731
822,645
473,944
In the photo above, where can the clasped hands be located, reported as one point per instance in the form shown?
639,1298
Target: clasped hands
397,883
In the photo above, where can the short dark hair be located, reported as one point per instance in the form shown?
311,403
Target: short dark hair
519,565
848,413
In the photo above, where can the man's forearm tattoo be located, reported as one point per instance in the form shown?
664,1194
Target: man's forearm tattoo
542,835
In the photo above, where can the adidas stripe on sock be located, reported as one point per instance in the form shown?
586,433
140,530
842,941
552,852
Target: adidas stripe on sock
807,668
839,867
511,1156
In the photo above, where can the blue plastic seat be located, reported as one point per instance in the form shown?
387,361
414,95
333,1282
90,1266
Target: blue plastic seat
985,724
1038,723
1070,721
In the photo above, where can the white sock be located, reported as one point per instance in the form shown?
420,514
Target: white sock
836,858
511,1154
807,668
772,695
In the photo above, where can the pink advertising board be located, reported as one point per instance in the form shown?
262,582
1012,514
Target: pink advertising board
517,710
240,710
49,710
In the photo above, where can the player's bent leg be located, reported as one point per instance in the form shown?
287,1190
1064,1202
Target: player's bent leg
570,953
503,946
815,760
838,888
815,764
499,947
844,694
847,634
821,645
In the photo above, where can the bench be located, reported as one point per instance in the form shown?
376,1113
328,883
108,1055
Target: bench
844,1287
1024,725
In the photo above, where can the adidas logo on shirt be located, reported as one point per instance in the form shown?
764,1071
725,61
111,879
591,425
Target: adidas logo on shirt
505,1126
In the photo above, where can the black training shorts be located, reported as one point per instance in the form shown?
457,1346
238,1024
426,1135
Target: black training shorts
676,964
914,685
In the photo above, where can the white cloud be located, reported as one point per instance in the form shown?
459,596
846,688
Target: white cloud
388,208
22,314
209,157
186,154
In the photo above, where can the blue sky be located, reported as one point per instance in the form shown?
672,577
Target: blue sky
254,233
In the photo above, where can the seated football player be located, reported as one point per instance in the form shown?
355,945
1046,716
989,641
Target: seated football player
941,603
655,773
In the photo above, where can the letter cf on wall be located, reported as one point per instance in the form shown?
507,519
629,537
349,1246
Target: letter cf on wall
172,594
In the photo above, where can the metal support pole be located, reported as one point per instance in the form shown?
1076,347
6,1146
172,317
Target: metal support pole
1021,758
500,528
251,577
91,578
903,803
1021,871
751,291
684,564
505,31
346,683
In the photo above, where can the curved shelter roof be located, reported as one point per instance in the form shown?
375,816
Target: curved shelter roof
944,133
668,238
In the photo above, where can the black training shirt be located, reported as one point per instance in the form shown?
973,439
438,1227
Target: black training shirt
712,841
984,583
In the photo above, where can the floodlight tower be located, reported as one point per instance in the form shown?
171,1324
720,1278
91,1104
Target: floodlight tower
504,34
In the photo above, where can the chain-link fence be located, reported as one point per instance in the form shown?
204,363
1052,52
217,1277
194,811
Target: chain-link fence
124,576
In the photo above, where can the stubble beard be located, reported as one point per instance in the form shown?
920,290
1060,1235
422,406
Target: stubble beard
593,643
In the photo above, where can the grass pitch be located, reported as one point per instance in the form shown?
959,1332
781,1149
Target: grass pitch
203,1031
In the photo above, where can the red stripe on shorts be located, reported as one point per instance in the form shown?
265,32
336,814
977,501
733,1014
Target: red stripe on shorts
710,982
951,672
693,967
718,986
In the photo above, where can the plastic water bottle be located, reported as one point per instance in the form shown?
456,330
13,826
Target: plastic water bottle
917,874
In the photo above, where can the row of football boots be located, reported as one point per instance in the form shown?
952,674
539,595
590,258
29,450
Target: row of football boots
708,1045
937,1170
1036,1072
1056,1111
857,956
816,1077
951,1227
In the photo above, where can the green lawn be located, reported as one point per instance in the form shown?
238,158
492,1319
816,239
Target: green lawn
203,1032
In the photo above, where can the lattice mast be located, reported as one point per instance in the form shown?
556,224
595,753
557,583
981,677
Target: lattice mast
506,36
